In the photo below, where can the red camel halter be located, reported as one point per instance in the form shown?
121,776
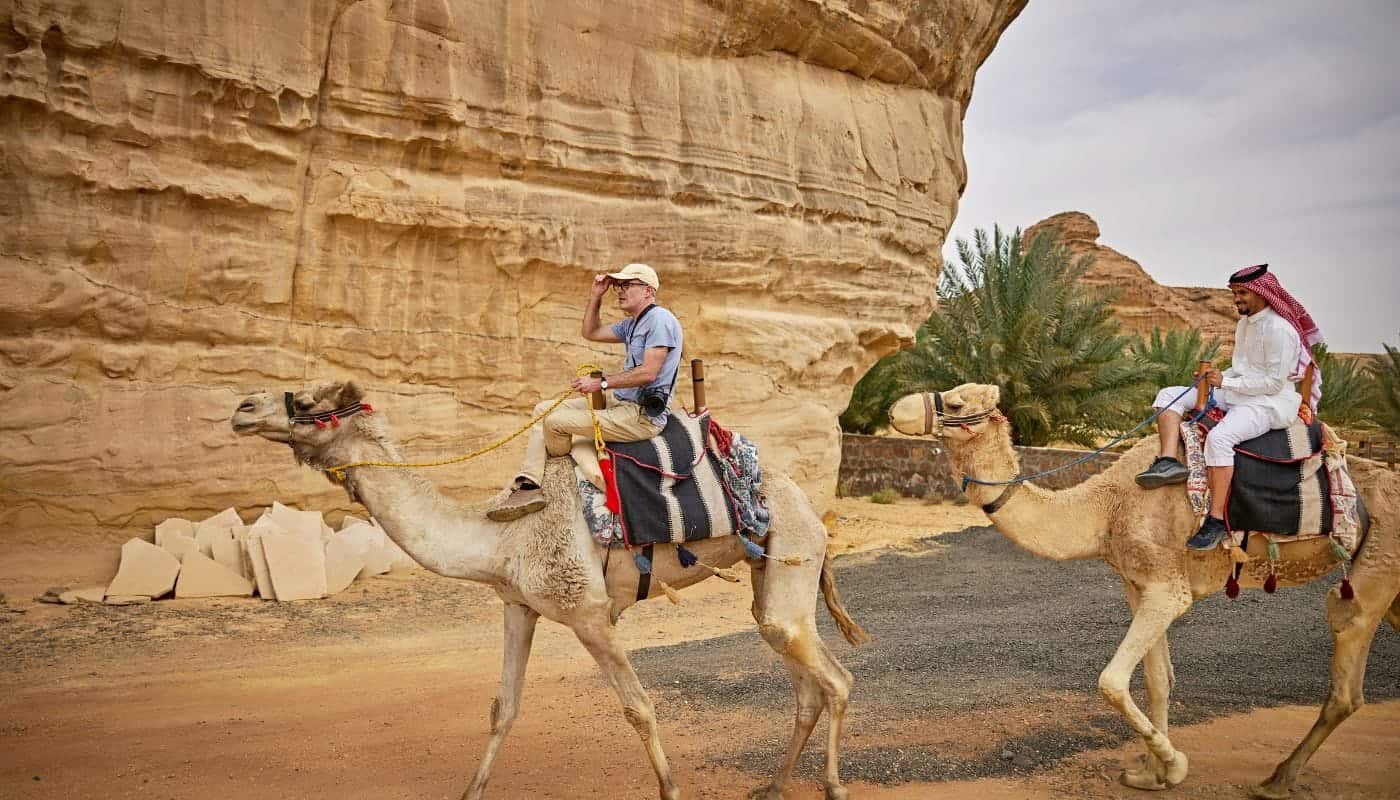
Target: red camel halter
324,418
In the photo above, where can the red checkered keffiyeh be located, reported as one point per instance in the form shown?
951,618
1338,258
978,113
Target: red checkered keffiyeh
1259,280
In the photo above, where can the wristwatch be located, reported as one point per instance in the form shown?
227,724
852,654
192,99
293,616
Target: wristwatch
603,384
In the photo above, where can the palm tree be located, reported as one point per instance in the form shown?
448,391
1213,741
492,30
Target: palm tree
1348,392
1386,374
1171,357
1017,315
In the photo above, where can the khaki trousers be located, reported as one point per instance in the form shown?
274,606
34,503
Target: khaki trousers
569,428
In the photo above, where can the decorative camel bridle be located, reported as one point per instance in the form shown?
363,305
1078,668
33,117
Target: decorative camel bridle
323,418
933,413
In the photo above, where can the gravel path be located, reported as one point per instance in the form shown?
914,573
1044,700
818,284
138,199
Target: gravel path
971,632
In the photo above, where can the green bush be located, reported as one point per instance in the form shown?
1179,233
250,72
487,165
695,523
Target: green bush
884,496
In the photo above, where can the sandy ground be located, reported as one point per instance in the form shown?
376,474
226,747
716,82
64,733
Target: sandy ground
384,692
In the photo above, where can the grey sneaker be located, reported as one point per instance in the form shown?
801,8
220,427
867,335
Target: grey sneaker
1211,532
517,504
1165,471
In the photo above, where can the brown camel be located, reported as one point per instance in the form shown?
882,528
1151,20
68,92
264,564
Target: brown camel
1142,535
548,564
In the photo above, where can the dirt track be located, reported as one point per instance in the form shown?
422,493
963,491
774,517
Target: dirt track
980,685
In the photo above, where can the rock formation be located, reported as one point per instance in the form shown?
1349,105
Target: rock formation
203,198
1143,303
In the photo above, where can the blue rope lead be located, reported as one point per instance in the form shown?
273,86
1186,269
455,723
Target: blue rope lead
1022,479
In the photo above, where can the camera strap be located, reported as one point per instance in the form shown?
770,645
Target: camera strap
631,333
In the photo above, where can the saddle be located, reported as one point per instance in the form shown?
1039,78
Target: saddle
679,487
1286,482
1280,485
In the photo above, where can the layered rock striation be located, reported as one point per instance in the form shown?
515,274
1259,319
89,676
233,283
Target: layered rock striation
203,198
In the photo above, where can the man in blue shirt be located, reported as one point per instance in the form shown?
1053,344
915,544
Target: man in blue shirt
641,389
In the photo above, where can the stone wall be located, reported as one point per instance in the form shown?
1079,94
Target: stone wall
203,198
919,468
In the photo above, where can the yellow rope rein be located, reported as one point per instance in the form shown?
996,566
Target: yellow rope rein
338,473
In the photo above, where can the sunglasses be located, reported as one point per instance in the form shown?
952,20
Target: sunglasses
622,287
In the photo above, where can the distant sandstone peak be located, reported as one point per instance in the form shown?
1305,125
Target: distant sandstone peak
1143,303
1075,226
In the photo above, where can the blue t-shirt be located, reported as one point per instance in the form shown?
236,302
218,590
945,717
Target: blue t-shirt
659,328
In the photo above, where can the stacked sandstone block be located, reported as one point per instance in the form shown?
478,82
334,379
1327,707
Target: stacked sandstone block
286,554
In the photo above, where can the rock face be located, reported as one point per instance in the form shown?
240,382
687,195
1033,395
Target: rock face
1144,304
205,198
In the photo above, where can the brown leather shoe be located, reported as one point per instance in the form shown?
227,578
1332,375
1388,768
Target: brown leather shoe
517,504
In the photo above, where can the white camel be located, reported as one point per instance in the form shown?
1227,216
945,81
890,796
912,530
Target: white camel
547,564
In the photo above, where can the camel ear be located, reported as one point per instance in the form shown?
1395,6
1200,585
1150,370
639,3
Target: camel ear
996,396
349,394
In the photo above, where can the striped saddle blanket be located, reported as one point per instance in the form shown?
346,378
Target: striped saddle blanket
1281,483
672,485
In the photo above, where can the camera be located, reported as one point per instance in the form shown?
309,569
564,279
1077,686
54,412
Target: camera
654,401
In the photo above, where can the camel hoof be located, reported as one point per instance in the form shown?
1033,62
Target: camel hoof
1176,771
1268,790
1144,778
768,792
837,793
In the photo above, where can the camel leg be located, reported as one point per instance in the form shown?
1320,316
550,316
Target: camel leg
598,638
788,624
1159,680
520,633
1158,607
1353,624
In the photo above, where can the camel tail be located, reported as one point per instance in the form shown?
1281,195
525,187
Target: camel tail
849,628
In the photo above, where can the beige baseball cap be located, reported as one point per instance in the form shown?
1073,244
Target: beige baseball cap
637,272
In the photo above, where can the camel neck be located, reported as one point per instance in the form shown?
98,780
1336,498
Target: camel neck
443,536
1053,525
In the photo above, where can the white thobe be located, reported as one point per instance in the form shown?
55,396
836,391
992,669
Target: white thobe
1261,371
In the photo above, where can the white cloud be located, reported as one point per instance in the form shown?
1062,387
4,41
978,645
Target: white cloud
1203,137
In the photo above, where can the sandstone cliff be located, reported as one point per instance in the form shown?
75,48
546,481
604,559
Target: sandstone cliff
1143,303
203,198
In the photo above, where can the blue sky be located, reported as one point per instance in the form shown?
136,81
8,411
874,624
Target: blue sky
1206,136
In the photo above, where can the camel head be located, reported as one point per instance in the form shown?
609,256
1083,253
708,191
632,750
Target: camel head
311,420
958,414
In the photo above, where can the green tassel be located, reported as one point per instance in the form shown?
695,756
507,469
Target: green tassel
1339,552
1273,550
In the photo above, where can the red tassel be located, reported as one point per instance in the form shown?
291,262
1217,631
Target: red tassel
1347,592
1270,583
365,407
335,421
319,424
1232,588
612,499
